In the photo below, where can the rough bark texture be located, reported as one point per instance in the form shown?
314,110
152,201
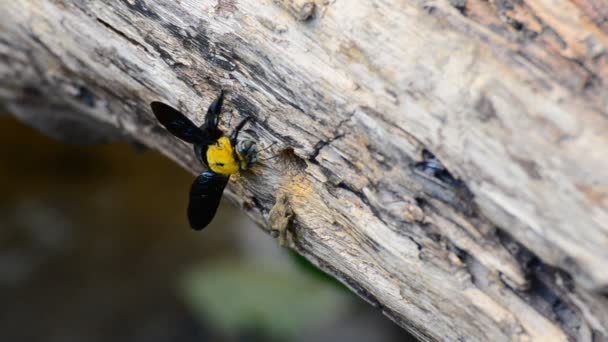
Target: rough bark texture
510,95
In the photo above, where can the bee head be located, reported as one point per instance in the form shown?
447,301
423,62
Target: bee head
247,152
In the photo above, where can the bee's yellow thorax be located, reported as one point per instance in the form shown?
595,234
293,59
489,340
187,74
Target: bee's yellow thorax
220,157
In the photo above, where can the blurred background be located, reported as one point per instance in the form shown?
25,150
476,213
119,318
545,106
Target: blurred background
95,246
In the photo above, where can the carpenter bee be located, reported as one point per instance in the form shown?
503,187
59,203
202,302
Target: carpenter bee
222,155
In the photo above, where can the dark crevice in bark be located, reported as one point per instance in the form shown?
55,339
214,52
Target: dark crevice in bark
438,182
336,134
122,34
544,293
460,5
548,289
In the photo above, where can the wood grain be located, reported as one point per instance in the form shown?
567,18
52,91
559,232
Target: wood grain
509,95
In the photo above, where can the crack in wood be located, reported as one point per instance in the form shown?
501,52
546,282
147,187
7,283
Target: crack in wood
122,34
336,134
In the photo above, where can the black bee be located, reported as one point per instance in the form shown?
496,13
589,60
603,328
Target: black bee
223,155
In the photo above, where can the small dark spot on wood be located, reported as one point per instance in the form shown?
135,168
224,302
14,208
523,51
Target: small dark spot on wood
301,10
85,96
460,5
485,109
178,65
516,24
591,81
307,12
430,9
569,262
247,203
393,94
529,166
258,204
421,202
432,166
435,237
460,253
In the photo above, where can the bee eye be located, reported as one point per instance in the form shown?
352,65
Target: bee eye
244,146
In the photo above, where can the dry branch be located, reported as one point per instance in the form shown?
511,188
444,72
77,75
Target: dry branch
509,95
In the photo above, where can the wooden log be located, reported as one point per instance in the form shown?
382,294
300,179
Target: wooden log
510,96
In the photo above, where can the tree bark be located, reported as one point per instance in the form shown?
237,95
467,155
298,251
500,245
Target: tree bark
511,96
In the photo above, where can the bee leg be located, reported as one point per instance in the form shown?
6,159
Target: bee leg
235,132
212,119
199,150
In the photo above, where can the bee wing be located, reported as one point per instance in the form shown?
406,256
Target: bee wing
178,124
205,195
212,119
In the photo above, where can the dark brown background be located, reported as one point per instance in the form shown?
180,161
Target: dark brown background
95,245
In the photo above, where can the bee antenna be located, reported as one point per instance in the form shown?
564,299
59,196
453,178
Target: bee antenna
267,147
276,155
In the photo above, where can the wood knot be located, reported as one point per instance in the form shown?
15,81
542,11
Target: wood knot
302,10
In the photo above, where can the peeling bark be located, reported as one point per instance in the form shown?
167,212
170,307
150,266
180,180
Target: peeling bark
510,243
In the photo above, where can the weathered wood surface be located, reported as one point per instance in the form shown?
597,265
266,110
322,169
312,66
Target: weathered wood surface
510,95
